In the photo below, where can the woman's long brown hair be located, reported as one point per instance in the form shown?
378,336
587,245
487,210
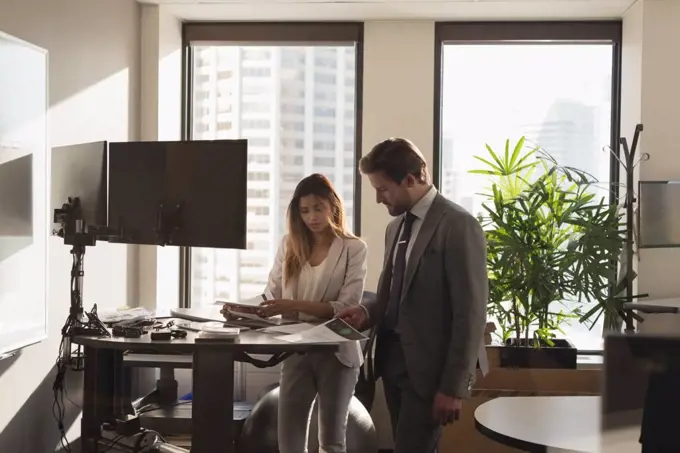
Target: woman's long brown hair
300,240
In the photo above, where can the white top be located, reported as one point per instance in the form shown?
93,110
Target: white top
308,281
420,210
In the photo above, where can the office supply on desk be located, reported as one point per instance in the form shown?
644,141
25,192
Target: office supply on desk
217,331
23,193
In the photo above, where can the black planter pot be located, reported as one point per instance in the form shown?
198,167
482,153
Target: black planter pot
560,356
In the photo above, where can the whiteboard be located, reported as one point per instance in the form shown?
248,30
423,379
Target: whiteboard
24,177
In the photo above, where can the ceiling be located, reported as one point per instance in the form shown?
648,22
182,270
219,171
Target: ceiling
263,10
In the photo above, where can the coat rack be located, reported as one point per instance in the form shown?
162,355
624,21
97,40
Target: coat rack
629,163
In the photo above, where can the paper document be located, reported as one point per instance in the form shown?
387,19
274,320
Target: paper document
112,316
289,328
252,302
333,331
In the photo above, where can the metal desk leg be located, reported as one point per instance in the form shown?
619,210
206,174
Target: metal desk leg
213,400
99,396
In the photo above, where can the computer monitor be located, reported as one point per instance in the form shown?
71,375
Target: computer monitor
641,393
79,171
184,193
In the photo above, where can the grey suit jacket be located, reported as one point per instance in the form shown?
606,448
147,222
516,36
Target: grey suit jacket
442,316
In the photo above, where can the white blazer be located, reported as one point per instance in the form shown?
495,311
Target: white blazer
342,286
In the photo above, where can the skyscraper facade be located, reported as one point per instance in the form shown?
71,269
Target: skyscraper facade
296,107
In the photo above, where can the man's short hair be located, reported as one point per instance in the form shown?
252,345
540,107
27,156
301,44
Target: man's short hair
396,158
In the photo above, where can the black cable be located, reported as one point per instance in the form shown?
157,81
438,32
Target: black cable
58,406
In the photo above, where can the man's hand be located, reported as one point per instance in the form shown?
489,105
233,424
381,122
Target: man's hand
446,409
354,316
277,307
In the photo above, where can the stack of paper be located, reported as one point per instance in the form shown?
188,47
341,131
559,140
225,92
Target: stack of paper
217,331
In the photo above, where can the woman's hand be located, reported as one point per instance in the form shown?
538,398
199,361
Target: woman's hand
232,313
275,307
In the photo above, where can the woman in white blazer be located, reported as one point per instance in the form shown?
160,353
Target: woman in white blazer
319,270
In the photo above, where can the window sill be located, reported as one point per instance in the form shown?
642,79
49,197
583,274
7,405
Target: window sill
589,362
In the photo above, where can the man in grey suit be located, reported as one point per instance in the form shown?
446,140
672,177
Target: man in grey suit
430,313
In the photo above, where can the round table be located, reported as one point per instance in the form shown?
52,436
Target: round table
542,423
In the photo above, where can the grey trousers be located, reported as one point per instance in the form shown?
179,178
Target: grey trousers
305,377
412,417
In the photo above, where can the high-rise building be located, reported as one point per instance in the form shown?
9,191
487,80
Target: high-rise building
296,107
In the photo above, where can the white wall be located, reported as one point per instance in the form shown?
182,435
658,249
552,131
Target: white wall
660,116
651,96
94,72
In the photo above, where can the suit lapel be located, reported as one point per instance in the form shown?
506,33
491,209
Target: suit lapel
331,263
425,233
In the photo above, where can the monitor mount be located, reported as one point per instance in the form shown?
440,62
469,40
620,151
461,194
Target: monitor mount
168,222
79,235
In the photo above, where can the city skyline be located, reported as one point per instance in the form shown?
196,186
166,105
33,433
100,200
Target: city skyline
296,107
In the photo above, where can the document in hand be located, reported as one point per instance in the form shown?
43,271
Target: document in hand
252,302
334,331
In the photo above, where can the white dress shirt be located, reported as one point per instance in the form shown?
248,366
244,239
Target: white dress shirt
420,210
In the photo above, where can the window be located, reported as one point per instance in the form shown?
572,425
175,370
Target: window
255,107
324,161
551,83
292,160
258,158
275,125
324,128
296,109
327,112
324,145
256,72
256,124
324,78
259,141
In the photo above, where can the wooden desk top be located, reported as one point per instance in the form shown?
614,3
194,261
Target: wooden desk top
539,423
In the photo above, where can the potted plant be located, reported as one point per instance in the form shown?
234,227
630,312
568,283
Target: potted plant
551,245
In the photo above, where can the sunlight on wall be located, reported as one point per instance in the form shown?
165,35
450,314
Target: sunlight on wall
98,112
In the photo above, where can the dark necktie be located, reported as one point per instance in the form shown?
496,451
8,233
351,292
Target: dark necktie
398,271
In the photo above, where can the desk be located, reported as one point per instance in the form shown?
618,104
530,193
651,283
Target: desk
213,381
542,423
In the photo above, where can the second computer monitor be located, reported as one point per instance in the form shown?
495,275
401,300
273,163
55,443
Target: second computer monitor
184,193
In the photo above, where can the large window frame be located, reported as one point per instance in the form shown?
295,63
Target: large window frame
276,34
549,32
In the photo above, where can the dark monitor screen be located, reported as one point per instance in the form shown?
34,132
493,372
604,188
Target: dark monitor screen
197,186
80,171
641,393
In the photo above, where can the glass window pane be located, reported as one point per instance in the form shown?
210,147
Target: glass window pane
295,105
556,95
